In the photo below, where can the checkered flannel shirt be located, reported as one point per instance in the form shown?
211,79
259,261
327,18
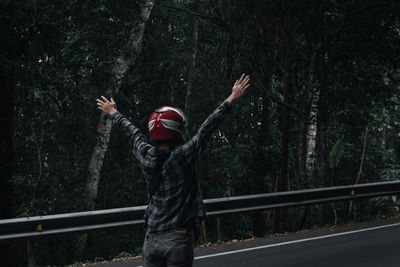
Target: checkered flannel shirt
177,201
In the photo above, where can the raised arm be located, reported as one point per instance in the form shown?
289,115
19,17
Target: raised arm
136,139
197,143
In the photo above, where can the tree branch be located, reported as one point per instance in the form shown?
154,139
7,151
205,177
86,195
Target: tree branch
276,100
219,22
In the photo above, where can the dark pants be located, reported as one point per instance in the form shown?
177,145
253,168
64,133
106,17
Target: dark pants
172,249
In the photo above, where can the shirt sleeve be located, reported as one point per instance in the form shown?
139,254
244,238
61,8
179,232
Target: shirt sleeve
137,141
197,143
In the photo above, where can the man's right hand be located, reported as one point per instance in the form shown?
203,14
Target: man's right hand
107,106
239,88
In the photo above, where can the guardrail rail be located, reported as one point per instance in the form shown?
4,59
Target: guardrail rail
77,222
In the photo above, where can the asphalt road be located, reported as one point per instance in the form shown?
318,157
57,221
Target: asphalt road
367,245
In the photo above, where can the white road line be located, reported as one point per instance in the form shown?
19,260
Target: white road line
295,241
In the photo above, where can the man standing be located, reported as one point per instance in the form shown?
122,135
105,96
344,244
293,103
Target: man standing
175,207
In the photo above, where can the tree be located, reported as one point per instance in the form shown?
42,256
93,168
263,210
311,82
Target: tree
125,60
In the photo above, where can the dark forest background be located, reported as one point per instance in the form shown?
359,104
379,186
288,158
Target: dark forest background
325,95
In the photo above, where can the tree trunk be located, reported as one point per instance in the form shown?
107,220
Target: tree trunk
306,135
7,93
125,60
312,97
306,151
192,67
302,168
321,151
302,151
321,135
311,137
280,221
193,62
259,218
308,101
280,218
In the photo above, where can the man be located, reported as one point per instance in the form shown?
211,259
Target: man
175,207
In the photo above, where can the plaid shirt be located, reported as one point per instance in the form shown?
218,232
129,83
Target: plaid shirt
177,200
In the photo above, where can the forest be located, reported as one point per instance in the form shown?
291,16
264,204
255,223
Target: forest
323,108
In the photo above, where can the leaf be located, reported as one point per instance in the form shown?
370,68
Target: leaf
336,153
279,96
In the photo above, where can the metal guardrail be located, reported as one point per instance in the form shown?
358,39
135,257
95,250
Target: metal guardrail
68,223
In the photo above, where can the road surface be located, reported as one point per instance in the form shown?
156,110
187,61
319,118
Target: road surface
367,245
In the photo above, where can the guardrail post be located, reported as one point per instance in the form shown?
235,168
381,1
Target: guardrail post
30,251
219,231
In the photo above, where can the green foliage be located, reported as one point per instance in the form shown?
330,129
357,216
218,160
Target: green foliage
336,153
124,255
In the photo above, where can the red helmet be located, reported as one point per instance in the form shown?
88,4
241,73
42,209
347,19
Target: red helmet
167,123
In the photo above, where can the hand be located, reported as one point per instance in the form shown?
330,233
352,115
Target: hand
106,106
239,88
